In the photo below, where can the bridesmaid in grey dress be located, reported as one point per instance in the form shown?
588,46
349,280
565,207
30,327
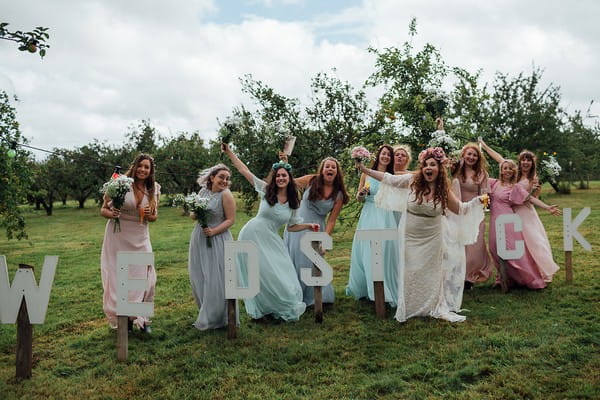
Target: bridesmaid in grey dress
207,264
325,194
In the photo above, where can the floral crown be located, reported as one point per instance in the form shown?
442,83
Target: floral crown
436,152
282,164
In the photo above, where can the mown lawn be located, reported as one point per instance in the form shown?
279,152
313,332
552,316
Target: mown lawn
521,345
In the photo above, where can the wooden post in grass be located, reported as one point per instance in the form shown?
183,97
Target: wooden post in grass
231,320
503,276
569,266
379,299
24,359
317,290
122,337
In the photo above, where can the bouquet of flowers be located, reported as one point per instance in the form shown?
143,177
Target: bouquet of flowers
550,170
116,189
441,139
199,206
360,154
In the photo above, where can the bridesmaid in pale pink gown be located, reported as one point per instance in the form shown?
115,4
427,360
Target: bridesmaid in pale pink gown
534,233
139,208
470,179
505,193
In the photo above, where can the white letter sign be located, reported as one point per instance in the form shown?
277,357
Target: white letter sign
501,223
570,229
326,270
24,285
125,259
232,287
377,236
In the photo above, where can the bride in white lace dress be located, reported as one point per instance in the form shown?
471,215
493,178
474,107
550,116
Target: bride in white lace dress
432,233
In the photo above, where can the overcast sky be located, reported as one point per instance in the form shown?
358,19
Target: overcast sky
177,63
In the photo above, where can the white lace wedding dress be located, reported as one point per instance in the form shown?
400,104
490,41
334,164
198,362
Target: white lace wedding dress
432,264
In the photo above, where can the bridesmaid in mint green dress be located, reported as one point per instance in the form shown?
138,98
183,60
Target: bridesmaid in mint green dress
280,294
360,281
325,194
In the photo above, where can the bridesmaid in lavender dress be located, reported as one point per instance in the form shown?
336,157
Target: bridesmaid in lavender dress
325,194
505,193
534,233
470,179
139,208
207,264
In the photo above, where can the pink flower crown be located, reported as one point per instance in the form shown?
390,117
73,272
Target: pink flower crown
436,152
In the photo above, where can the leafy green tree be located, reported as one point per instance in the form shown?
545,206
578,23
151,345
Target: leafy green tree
28,41
15,175
49,180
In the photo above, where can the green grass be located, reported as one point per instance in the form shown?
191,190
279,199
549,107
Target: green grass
520,345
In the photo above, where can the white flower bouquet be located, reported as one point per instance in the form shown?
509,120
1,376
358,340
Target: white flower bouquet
116,189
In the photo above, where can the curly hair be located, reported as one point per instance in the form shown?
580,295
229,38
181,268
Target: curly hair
480,166
292,192
317,183
390,166
527,155
150,181
420,186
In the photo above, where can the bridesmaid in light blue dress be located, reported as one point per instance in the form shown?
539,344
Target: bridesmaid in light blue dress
360,281
325,194
207,264
280,294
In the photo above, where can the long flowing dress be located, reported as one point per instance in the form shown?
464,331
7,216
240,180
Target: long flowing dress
432,257
360,280
479,264
522,271
536,239
134,236
310,212
280,293
207,266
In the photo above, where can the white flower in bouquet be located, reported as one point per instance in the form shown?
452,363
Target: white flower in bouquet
441,139
116,189
199,206
550,169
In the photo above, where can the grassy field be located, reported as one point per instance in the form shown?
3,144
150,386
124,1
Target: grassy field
521,345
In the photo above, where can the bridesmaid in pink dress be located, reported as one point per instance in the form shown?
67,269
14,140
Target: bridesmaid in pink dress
505,193
139,208
470,179
534,233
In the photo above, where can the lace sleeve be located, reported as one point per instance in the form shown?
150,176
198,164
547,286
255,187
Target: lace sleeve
467,223
393,192
259,185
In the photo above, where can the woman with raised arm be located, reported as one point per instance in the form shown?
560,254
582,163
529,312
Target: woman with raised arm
325,193
207,263
432,261
534,233
360,280
139,208
470,179
505,194
280,293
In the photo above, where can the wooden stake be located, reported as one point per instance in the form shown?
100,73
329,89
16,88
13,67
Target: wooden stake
569,265
317,290
379,299
231,321
503,276
122,337
24,357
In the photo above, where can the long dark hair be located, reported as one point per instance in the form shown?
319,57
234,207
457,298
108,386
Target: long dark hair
150,181
527,155
317,183
292,192
420,187
390,166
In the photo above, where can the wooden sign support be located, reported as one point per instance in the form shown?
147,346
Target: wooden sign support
24,359
231,320
503,276
569,266
317,290
122,337
379,299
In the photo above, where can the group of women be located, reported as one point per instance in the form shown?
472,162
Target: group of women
439,249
